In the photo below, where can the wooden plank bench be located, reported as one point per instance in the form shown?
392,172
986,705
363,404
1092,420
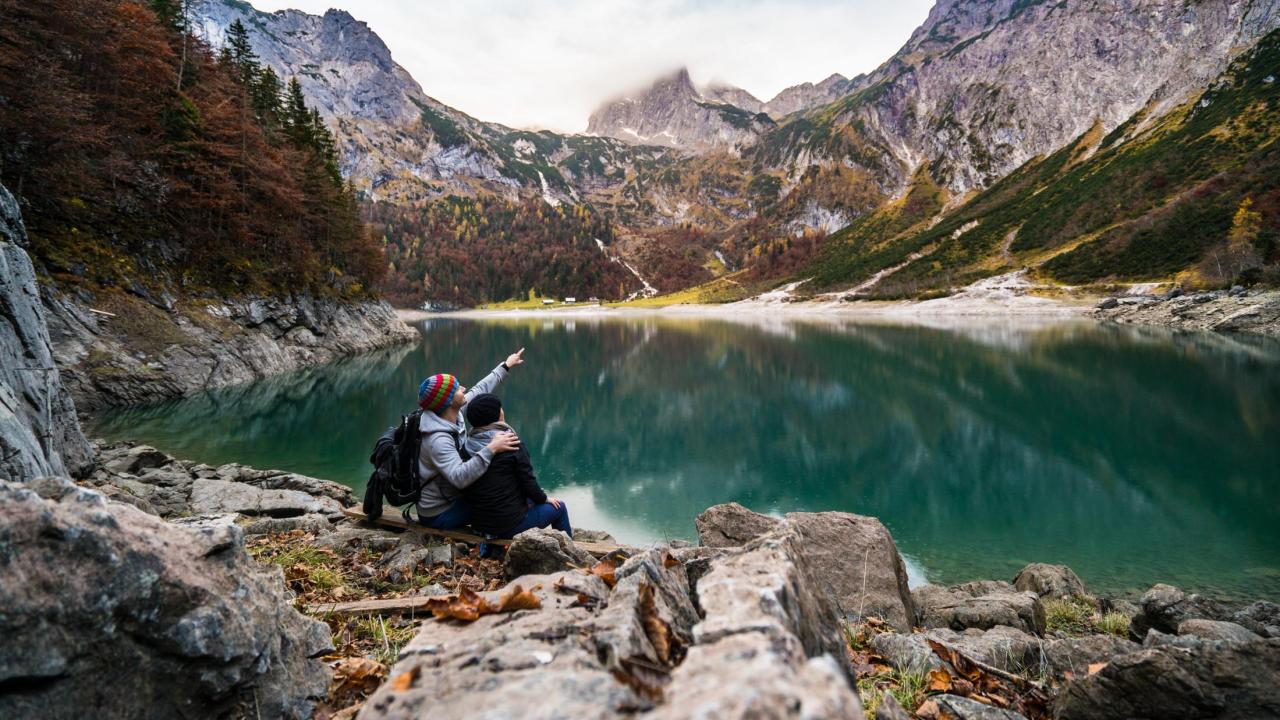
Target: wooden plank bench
391,518
377,606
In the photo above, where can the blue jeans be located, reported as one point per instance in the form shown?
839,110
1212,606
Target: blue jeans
456,516
545,515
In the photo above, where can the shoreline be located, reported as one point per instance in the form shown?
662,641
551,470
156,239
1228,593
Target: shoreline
1246,312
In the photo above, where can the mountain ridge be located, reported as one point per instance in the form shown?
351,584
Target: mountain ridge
977,91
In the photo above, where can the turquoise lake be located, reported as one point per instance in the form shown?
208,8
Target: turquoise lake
1135,456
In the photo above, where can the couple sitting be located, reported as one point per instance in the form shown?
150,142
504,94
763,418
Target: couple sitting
482,479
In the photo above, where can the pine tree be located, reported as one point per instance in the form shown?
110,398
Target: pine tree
297,118
239,51
265,97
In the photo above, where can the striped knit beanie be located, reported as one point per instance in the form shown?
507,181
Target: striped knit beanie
436,392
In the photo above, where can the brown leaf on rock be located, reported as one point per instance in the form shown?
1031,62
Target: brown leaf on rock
655,628
606,570
355,677
939,681
469,606
668,561
518,599
1096,667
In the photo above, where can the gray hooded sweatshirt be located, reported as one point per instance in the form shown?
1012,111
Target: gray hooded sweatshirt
444,475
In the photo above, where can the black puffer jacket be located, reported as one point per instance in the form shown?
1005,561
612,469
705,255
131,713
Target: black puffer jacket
500,498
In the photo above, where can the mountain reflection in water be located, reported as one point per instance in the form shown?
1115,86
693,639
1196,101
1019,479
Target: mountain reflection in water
1134,456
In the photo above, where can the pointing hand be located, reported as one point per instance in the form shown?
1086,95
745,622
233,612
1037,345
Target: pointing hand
515,358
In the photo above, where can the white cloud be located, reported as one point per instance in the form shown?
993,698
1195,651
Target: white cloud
548,64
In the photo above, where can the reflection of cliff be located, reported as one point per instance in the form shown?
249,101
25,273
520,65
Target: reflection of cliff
308,421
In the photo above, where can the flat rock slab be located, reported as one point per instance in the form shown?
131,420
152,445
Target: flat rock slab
211,497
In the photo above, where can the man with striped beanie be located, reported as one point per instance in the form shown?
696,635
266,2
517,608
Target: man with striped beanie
443,471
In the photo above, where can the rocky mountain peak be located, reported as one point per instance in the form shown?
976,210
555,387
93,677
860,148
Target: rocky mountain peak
807,95
673,113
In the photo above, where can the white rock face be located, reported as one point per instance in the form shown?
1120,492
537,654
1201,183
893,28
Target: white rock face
982,87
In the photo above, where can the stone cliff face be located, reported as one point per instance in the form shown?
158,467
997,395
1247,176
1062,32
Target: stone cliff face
391,133
141,353
981,88
672,113
39,432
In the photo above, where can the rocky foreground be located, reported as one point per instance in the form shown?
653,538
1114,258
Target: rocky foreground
158,588
1235,310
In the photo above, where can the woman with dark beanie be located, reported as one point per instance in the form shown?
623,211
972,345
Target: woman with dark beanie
506,500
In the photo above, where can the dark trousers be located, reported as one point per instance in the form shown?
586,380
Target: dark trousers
545,515
456,516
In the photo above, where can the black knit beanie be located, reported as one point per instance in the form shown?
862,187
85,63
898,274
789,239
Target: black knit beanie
483,410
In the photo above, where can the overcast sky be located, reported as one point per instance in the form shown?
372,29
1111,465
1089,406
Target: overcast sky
549,63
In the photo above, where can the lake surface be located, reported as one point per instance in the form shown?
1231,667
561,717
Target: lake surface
1134,456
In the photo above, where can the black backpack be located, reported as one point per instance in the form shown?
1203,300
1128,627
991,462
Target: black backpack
395,467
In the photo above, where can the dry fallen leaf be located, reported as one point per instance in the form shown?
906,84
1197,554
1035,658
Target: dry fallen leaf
1096,667
517,599
606,570
354,677
657,630
939,681
469,606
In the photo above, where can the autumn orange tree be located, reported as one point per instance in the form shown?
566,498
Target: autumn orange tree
142,157
466,251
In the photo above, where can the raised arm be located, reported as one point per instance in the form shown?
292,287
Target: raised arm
495,378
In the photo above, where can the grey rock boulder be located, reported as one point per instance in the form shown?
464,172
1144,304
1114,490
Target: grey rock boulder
1049,581
1232,682
766,634
347,538
1217,631
116,613
731,524
1262,617
769,637
39,432
857,560
1165,606
963,708
907,652
535,664
1003,647
132,459
542,551
1071,657
853,555
942,607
